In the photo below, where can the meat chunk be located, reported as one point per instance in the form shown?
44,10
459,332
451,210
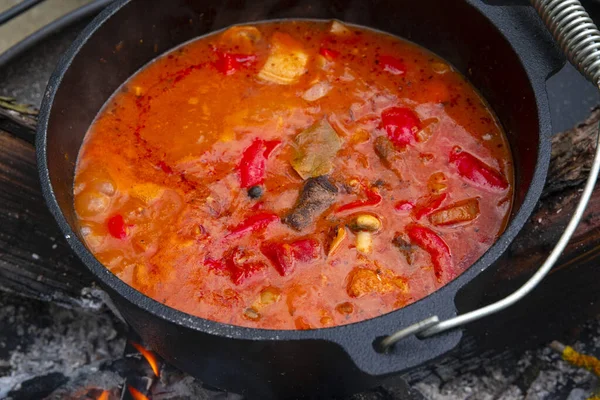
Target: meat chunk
316,196
387,153
405,248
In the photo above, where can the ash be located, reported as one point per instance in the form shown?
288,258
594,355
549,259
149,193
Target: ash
43,346
50,352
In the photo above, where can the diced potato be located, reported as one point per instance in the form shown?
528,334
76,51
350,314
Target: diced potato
348,76
91,203
461,211
142,277
364,281
364,242
270,295
286,62
326,319
294,296
360,136
365,222
437,183
337,28
96,178
243,38
146,192
428,130
94,234
426,158
323,63
251,314
440,67
317,91
345,308
340,235
111,258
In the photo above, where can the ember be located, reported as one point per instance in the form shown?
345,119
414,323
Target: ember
136,394
104,395
149,356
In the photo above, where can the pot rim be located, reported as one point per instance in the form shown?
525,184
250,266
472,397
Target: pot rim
108,279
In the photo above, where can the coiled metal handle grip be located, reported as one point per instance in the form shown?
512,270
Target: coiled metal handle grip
575,33
579,39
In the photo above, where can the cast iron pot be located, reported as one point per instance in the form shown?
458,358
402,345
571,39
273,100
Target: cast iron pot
504,50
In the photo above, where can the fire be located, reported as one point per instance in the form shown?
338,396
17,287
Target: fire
103,395
136,394
149,356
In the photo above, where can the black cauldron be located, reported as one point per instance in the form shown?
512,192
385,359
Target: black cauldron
504,50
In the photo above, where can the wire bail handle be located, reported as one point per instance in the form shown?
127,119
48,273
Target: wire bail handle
579,39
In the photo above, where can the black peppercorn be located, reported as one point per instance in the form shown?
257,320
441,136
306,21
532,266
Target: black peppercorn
255,192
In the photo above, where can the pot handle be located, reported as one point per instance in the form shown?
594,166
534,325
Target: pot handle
579,39
363,343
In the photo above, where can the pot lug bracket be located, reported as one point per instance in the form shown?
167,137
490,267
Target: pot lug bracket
579,38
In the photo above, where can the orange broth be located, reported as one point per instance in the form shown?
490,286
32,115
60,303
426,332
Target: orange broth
293,175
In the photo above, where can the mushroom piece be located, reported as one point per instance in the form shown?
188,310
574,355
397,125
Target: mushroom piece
364,242
365,222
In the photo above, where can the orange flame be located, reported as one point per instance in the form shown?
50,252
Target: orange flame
136,394
149,356
103,395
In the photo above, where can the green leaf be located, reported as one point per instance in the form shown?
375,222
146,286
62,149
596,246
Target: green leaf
314,150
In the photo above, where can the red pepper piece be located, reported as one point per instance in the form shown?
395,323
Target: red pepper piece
476,171
439,251
429,205
229,63
373,199
284,256
392,65
404,205
305,249
253,223
401,125
280,255
329,54
270,146
235,264
254,160
117,227
215,265
239,273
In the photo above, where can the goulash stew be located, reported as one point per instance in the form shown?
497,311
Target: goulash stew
293,175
